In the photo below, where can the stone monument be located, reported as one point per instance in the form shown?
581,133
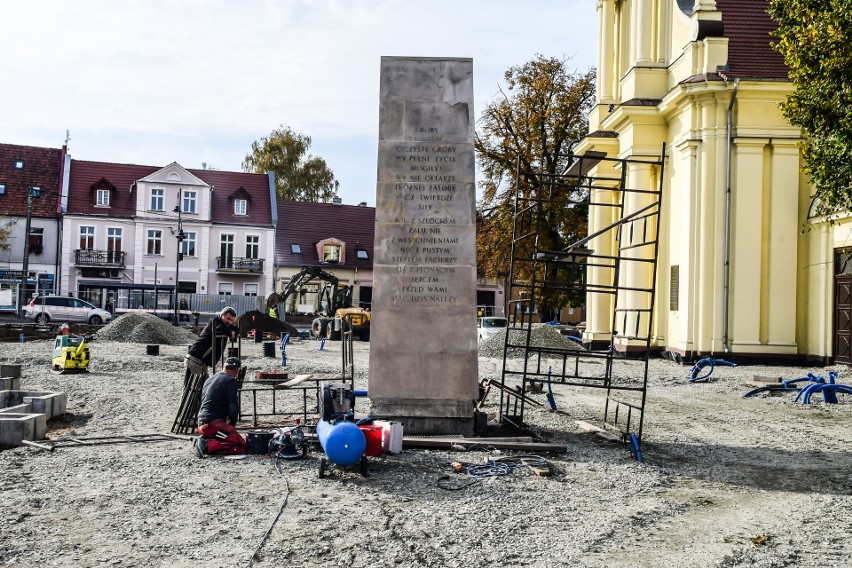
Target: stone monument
423,350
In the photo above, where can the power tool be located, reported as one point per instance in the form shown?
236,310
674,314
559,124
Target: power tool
71,354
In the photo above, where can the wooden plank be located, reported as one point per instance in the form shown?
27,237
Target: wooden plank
765,379
473,443
585,426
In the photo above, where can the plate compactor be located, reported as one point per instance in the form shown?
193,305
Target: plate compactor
71,354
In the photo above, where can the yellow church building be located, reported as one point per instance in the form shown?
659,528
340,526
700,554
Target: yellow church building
738,272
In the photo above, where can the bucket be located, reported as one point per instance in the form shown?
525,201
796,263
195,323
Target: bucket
258,336
269,349
258,441
152,349
233,351
373,434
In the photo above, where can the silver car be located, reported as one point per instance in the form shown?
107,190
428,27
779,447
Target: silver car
488,326
44,309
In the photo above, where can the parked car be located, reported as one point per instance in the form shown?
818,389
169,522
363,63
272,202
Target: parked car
44,309
488,326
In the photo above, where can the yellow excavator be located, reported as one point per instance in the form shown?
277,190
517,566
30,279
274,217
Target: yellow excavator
71,354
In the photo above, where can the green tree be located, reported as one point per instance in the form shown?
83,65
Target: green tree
814,38
298,175
532,125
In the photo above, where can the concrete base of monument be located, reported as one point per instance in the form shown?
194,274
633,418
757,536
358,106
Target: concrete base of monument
426,417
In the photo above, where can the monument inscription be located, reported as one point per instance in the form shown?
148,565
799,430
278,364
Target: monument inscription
423,365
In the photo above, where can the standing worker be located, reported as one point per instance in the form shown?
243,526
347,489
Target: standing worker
219,413
200,354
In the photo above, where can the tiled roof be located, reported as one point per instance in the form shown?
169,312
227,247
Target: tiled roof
42,168
748,27
85,175
305,224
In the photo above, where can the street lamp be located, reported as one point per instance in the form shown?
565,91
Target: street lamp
180,236
32,191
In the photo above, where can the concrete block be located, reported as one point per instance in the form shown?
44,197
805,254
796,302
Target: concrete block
16,427
48,403
10,383
13,371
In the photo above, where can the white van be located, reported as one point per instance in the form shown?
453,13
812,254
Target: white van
488,326
44,309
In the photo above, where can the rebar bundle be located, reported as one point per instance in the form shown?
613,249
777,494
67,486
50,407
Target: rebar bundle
186,420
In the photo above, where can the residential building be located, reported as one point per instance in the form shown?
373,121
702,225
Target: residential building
737,273
129,228
335,237
30,187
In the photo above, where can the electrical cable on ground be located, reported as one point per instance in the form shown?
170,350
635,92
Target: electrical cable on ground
256,552
493,467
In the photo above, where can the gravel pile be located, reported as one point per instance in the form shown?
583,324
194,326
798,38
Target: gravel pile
543,335
145,328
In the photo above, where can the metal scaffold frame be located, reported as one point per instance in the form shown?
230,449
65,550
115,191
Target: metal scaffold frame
620,275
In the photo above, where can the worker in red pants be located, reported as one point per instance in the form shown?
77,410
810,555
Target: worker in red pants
219,413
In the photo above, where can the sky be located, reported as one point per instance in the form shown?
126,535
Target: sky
197,81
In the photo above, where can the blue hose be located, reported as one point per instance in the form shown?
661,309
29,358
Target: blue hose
694,376
550,400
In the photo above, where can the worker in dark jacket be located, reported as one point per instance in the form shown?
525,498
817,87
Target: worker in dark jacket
219,413
200,354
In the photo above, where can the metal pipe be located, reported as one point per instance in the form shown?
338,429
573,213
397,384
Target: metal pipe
726,267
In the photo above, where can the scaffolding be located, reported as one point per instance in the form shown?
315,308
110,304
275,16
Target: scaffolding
614,268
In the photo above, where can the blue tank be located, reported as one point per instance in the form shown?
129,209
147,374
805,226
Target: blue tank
343,442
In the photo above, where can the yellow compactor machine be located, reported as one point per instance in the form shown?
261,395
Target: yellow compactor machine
71,354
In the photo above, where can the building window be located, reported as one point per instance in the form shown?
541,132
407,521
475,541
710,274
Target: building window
188,244
155,242
189,201
36,240
87,238
114,244
239,206
156,200
250,290
331,254
226,288
2,189
296,249
103,198
252,246
19,164
361,253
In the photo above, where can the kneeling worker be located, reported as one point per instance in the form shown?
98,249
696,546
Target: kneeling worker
219,413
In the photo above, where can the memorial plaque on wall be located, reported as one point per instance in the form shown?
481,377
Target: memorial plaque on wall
423,349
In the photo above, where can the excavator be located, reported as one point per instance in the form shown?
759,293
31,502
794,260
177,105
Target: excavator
335,305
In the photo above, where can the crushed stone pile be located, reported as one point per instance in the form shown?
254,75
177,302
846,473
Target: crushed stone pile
542,335
145,328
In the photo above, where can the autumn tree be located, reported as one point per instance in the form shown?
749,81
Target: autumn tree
531,126
814,38
298,175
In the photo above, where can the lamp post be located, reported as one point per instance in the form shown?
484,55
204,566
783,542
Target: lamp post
179,236
32,191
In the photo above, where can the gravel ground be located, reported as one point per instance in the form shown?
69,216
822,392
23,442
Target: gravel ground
727,481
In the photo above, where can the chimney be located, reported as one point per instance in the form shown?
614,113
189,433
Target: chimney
337,201
203,165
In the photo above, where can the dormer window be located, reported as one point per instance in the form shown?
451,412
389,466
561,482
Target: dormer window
331,251
102,198
240,206
331,254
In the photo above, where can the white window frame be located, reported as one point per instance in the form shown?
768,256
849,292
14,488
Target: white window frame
87,232
225,288
240,207
252,246
102,198
157,197
154,243
189,201
250,289
189,237
330,247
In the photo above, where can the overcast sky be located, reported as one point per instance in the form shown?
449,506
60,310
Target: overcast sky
158,81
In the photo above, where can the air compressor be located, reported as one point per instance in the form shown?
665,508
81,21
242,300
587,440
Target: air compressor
342,441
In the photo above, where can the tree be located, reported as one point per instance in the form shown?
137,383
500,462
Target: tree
5,233
533,125
813,36
298,175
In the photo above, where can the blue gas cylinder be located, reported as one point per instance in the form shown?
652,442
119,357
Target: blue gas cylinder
343,442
